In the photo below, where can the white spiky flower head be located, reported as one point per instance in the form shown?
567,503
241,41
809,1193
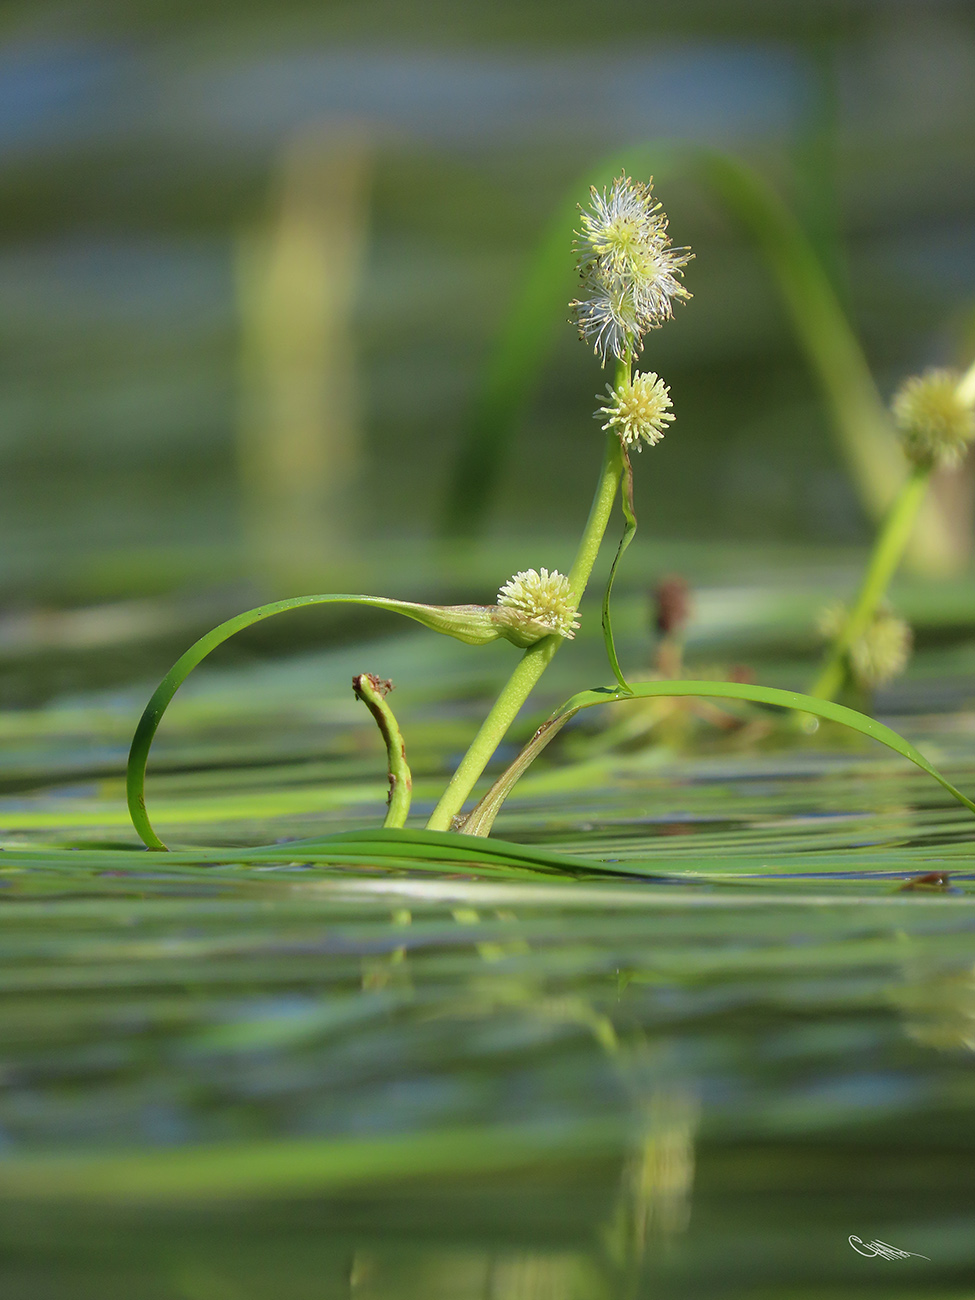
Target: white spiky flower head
629,270
638,410
609,320
536,603
934,420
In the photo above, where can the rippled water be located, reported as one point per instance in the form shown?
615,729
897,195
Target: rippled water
225,1081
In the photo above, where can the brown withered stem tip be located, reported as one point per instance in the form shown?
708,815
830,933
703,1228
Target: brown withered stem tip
382,685
672,605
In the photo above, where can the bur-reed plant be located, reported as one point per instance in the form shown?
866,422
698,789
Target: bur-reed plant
823,329
630,278
934,414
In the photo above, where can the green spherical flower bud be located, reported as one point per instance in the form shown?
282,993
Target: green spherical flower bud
934,421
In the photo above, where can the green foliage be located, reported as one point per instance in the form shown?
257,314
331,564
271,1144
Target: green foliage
390,846
863,429
294,1168
467,623
480,821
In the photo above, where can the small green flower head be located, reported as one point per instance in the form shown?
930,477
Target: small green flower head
535,604
831,619
638,411
881,653
629,271
934,422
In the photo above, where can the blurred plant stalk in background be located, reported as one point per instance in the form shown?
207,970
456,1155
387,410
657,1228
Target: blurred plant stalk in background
934,417
299,436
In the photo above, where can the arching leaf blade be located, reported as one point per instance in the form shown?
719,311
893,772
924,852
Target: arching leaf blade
779,698
480,820
431,616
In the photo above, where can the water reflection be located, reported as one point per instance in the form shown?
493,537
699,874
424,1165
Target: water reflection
478,1275
658,1178
557,1091
939,1008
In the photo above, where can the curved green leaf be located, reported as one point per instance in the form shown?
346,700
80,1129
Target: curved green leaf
469,623
862,426
481,819
865,433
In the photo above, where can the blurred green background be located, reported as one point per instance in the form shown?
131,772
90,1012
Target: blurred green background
253,256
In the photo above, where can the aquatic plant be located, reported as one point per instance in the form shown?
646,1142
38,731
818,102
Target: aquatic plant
630,276
935,417
799,266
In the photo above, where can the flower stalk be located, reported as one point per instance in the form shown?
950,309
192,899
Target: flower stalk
934,416
599,515
886,557
537,657
630,277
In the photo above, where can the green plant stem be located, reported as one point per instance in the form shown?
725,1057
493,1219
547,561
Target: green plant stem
372,692
599,515
537,657
887,554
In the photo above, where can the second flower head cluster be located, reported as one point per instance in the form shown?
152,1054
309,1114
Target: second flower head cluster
631,278
630,273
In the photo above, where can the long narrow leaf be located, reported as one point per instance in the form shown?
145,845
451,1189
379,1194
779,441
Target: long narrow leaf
458,621
482,818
